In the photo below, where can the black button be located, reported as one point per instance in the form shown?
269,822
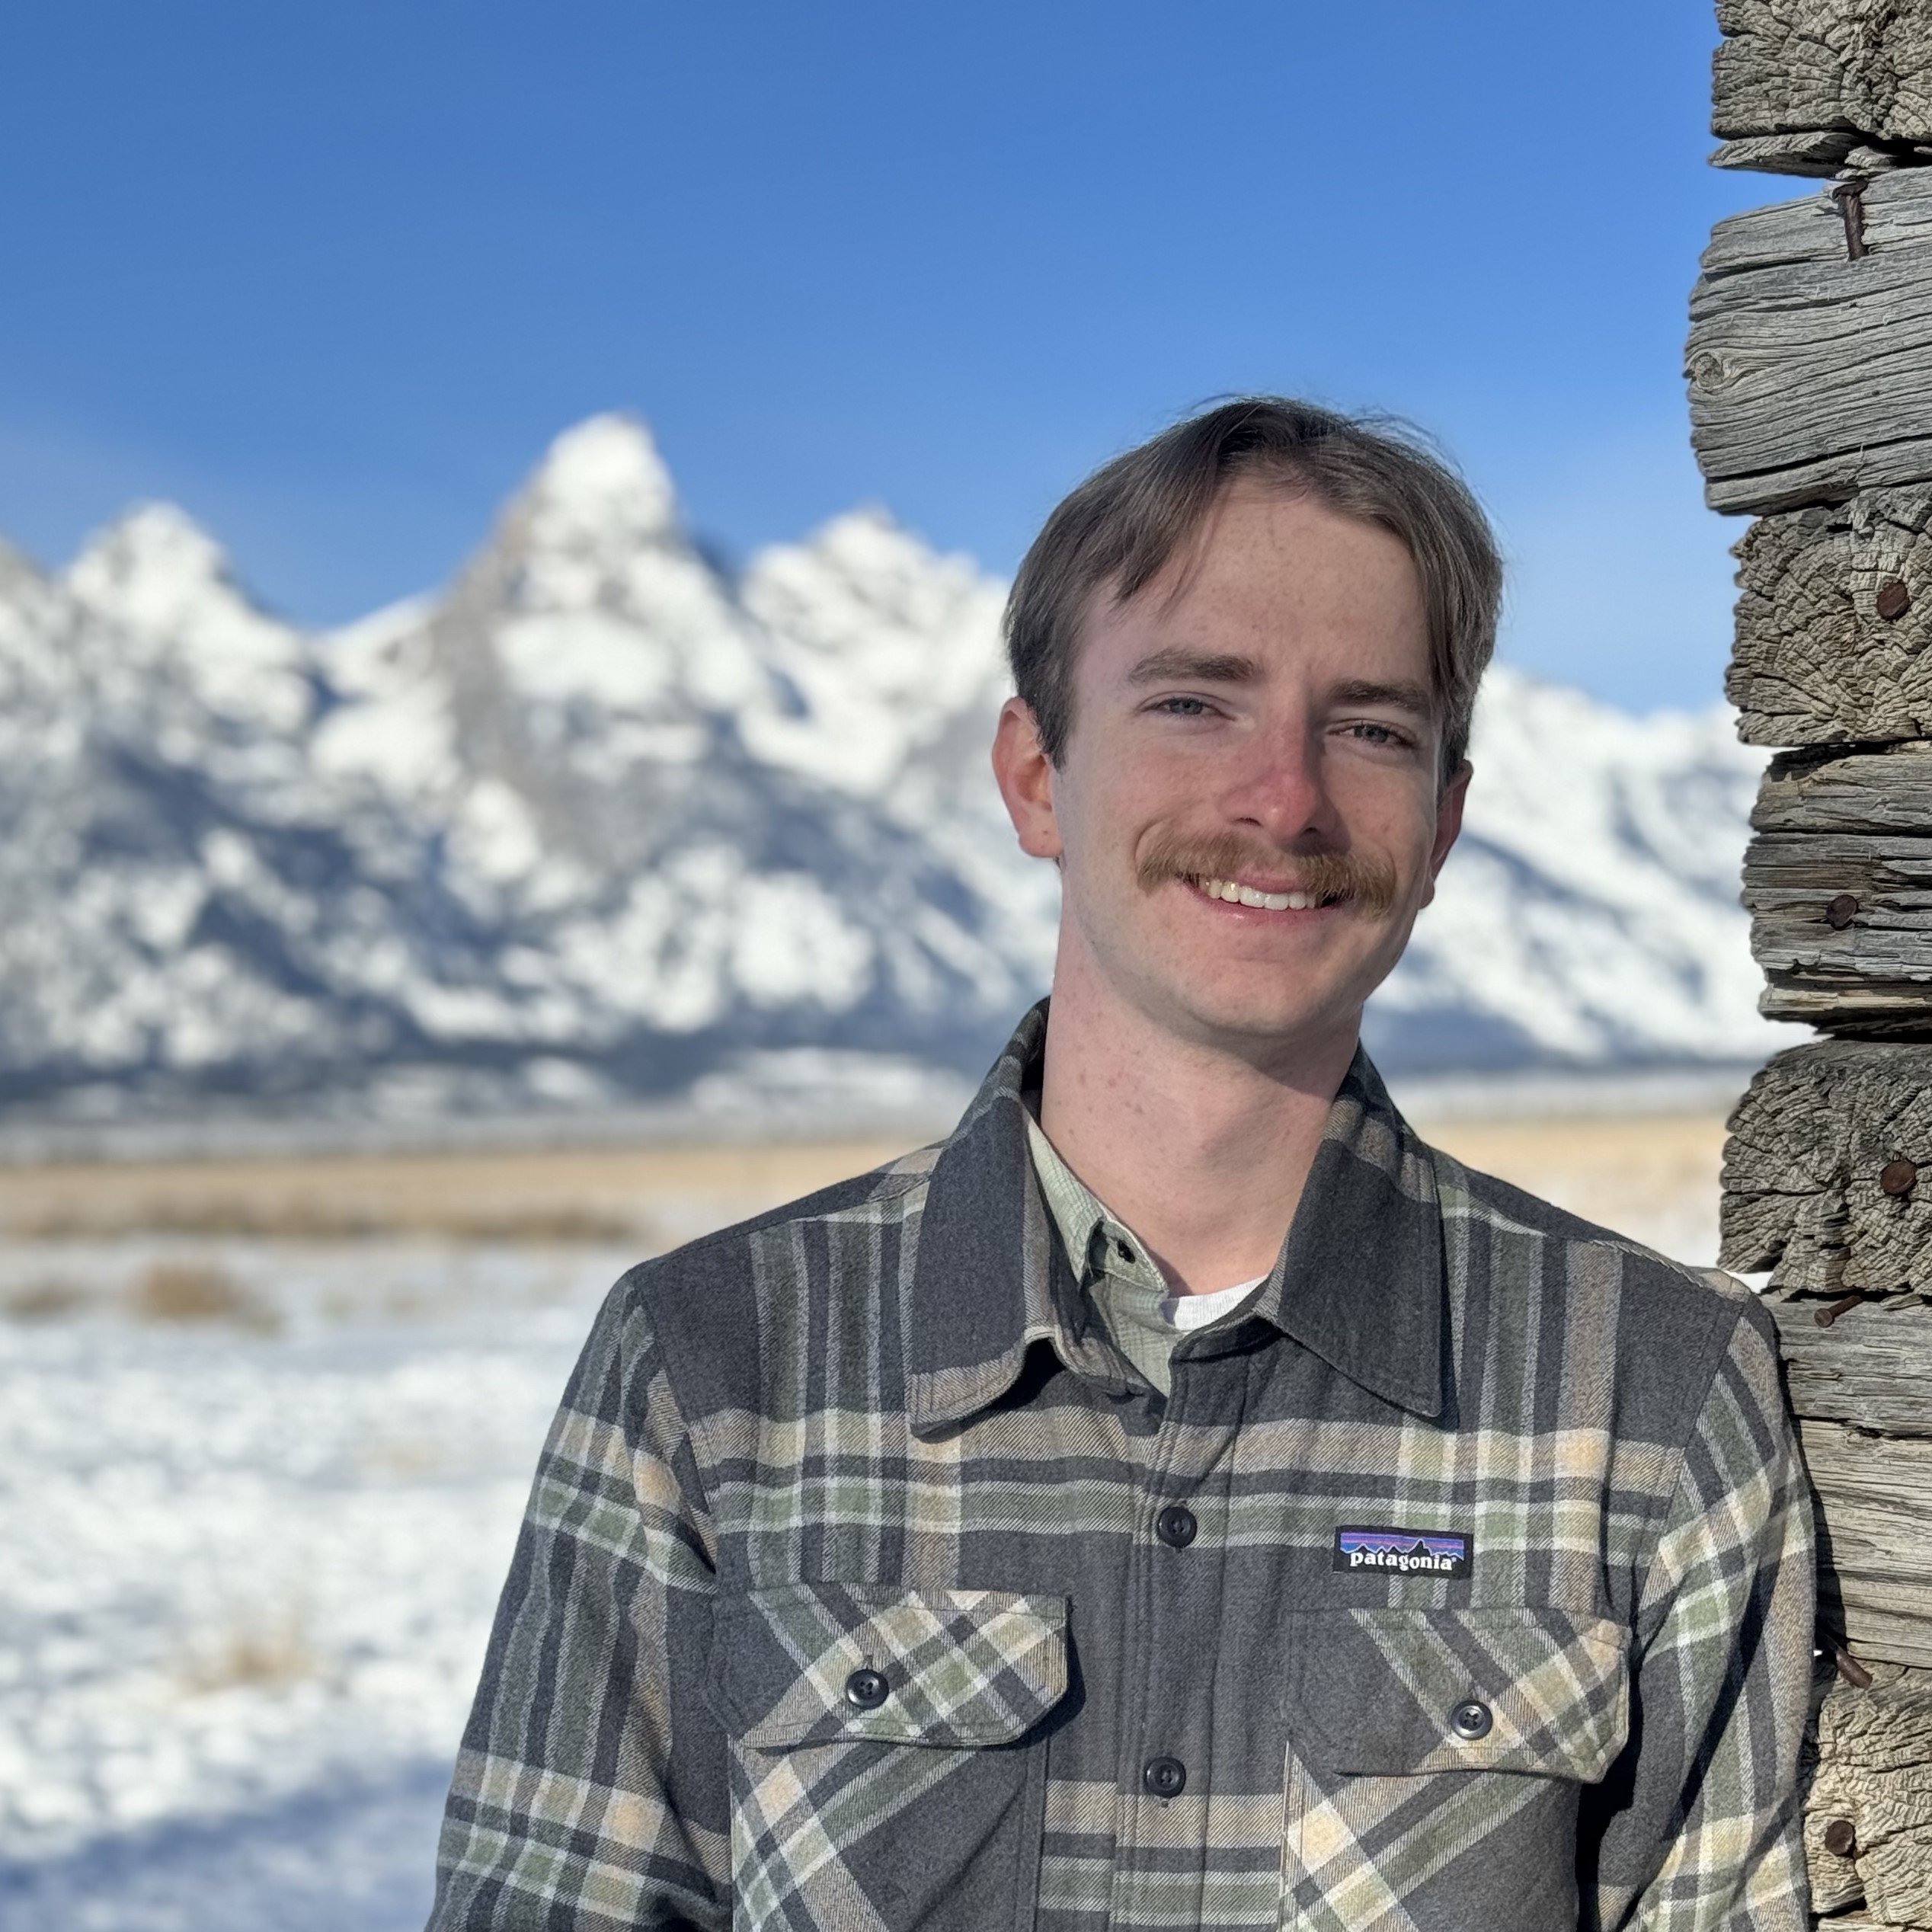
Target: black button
1175,1526
1471,1721
1123,1251
866,1689
1164,1777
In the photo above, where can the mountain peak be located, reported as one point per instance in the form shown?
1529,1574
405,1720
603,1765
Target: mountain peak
168,597
603,479
150,568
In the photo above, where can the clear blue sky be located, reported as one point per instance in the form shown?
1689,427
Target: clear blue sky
331,276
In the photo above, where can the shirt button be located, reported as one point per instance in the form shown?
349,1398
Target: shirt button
1471,1721
1125,1252
1164,1777
866,1689
1175,1526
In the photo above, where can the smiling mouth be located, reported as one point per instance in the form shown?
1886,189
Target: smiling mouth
1235,894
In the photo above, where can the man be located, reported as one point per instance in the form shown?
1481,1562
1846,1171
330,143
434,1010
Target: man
1182,1498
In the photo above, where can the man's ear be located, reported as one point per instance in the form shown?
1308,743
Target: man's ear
1024,774
1448,822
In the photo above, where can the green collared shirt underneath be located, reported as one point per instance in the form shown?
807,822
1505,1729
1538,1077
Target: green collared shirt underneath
1121,1281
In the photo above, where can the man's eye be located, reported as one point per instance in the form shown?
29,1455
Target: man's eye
1374,733
1184,707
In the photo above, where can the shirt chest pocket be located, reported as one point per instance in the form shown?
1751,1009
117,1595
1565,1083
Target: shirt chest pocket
1435,1764
886,1767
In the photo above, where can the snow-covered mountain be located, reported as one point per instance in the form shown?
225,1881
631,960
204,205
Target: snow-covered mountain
596,824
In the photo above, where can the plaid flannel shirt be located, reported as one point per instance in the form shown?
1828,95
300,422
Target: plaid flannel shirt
1464,1581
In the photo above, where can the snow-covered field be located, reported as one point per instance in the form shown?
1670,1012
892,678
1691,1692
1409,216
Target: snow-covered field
256,1501
257,1496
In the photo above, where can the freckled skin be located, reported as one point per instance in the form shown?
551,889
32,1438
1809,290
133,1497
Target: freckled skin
1219,1033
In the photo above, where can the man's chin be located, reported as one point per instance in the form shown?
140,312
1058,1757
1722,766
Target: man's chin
1264,1028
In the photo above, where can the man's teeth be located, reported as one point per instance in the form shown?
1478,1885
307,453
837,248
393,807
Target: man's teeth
1248,895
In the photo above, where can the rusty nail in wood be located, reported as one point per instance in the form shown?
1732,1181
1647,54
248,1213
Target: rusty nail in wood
1843,1306
1893,600
1899,1177
1849,1669
1841,1838
1841,912
1850,197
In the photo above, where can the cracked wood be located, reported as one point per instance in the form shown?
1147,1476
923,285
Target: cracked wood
1871,1367
1874,1509
1802,1192
1834,617
1838,883
1811,373
1870,1768
1798,85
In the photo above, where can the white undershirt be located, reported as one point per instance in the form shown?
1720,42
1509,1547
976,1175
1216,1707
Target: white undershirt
1193,1311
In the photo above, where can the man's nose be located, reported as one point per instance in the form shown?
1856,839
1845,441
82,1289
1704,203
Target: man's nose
1277,785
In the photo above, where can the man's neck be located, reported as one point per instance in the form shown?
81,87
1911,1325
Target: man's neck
1201,1152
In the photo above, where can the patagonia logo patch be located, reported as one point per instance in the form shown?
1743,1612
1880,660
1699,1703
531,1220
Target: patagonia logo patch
1425,1553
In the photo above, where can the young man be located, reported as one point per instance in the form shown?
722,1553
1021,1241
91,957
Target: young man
1182,1498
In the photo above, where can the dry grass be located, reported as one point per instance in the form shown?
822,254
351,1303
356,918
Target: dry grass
197,1292
643,1198
49,1300
283,1219
252,1659
1653,1177
402,1459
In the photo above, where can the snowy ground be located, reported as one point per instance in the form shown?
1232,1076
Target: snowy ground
256,1501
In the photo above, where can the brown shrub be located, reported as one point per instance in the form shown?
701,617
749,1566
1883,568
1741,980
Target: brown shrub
198,1291
44,1301
252,1659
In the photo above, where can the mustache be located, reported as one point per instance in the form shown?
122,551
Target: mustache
1365,879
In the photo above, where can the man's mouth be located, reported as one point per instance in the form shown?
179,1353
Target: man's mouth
1238,870
1238,894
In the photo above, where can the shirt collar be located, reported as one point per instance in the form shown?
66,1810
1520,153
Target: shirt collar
1096,1240
1359,1281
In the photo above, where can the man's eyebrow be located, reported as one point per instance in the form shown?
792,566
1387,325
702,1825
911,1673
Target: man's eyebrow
1199,667
1417,699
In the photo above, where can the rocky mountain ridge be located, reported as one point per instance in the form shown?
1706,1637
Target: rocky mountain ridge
596,825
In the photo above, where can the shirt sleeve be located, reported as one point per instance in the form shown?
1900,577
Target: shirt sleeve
1700,1821
590,1791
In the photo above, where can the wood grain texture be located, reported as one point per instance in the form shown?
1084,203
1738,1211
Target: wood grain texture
1799,78
1818,154
1838,884
1887,789
1810,372
1871,1768
1874,1496
1816,661
1802,1193
1870,1367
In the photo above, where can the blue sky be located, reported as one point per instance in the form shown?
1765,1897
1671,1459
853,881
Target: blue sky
331,277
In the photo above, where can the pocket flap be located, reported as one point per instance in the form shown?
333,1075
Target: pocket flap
959,1667
1379,1691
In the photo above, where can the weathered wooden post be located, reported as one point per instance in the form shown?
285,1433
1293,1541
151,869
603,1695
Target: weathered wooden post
1810,366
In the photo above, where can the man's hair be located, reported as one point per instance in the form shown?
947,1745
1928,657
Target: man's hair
1118,531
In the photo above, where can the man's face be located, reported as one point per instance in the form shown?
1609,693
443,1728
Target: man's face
1258,722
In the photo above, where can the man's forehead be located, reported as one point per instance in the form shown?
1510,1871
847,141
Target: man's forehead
1254,523
1260,549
